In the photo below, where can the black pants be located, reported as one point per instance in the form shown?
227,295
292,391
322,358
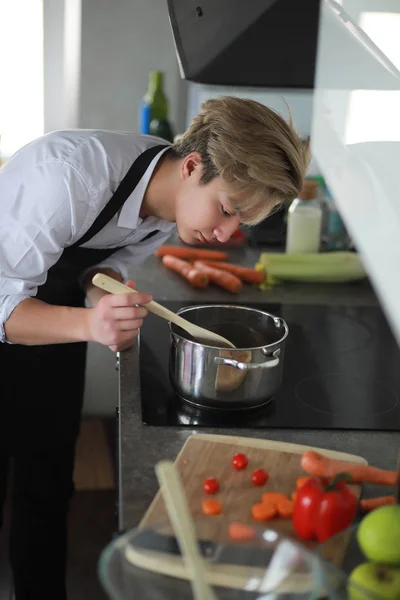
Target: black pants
41,410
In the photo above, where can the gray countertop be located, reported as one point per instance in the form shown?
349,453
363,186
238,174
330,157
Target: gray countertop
164,284
141,446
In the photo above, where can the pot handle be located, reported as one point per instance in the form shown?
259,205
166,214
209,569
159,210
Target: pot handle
273,361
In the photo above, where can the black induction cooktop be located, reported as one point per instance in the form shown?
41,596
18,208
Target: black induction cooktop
341,371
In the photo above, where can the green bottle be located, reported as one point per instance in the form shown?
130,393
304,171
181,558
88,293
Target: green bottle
157,101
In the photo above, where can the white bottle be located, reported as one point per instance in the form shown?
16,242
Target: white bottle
304,220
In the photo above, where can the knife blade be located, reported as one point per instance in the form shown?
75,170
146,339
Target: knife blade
213,551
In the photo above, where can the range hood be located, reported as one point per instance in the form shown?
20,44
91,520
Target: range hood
269,43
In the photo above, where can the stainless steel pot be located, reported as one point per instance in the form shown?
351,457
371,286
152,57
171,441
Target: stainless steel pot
246,377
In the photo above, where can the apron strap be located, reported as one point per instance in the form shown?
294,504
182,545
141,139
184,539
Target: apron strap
122,193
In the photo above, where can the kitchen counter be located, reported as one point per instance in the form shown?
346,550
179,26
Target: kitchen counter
164,284
141,446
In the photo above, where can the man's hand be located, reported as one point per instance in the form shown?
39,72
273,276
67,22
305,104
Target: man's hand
115,320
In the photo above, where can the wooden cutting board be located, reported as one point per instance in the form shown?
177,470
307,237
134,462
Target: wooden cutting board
208,455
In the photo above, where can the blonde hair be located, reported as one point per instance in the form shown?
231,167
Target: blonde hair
259,156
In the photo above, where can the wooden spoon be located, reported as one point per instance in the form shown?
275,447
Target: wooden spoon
199,333
182,523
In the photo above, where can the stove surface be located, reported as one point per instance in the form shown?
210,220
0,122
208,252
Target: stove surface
341,371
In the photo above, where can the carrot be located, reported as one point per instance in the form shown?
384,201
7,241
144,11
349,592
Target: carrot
285,508
212,507
263,511
222,278
301,481
191,253
323,466
240,532
283,505
294,496
368,504
194,276
244,273
274,498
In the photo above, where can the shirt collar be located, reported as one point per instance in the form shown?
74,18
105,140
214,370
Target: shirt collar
129,215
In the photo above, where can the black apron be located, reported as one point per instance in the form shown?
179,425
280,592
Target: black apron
41,411
56,371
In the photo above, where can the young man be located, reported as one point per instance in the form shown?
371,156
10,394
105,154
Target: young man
77,202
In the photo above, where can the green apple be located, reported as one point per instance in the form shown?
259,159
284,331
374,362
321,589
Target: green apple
379,535
370,581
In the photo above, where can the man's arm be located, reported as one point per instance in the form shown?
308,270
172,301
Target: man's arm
114,321
34,322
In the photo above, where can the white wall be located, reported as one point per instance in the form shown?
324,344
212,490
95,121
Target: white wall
122,40
61,64
299,101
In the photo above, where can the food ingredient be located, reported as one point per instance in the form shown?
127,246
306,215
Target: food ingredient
191,253
273,497
245,274
283,505
320,267
378,535
301,481
211,507
211,485
222,278
323,508
368,504
240,461
197,278
240,532
369,580
316,464
260,477
263,512
285,508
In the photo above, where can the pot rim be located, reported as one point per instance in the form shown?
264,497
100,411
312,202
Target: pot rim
230,306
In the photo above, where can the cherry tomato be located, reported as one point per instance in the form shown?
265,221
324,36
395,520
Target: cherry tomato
260,477
211,486
240,461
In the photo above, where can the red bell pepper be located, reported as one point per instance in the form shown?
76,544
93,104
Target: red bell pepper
323,508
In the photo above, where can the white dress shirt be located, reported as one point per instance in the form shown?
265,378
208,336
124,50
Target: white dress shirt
52,190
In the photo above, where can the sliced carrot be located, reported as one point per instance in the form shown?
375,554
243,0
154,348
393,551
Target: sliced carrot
191,253
212,507
368,504
301,481
244,273
196,277
240,532
273,497
285,508
316,464
222,278
263,511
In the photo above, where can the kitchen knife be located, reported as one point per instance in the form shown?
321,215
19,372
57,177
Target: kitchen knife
232,554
